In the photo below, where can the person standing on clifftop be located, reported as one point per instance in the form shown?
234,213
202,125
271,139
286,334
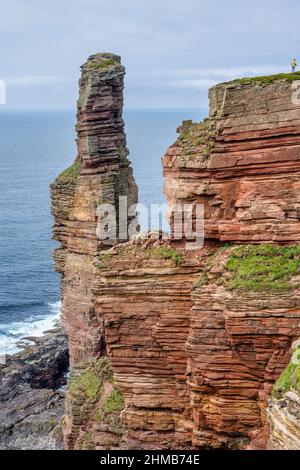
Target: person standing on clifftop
294,65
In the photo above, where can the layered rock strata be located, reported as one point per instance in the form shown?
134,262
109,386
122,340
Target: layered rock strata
93,407
242,163
100,174
143,296
242,326
195,339
284,422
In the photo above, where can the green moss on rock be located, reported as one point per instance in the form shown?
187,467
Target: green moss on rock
95,400
70,174
196,137
114,402
102,64
263,267
164,253
87,384
87,442
265,79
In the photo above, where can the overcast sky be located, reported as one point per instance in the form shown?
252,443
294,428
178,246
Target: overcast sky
173,50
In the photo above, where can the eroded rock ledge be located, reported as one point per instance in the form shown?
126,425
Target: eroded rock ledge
193,340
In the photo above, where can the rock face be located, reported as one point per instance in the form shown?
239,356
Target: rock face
31,405
239,342
195,339
242,163
200,379
93,407
143,297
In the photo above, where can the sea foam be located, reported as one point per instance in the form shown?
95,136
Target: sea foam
12,333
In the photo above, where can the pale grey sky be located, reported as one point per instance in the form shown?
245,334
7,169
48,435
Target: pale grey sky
173,50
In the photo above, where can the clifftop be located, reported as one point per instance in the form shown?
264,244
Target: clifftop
102,63
242,163
263,80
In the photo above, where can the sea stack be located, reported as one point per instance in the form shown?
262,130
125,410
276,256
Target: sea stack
100,174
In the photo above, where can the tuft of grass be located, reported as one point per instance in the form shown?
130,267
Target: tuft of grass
98,417
114,402
263,267
165,253
70,174
102,64
95,400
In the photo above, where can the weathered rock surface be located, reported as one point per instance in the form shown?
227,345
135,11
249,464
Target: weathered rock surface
239,342
143,298
242,163
284,406
31,405
194,350
284,417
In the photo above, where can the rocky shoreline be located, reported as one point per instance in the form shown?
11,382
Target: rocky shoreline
31,394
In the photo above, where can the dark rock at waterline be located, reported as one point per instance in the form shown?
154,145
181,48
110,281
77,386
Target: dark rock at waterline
31,403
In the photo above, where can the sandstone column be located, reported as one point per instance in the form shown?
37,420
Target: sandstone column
100,174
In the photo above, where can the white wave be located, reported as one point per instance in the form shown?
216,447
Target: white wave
35,325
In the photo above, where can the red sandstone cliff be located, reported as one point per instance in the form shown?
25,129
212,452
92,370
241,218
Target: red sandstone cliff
242,163
195,339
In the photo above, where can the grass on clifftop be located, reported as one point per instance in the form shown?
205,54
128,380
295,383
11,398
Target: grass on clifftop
70,174
164,253
267,79
263,267
103,64
290,377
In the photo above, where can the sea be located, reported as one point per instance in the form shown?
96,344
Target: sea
34,148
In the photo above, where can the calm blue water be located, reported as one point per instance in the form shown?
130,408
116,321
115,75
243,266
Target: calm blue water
34,148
